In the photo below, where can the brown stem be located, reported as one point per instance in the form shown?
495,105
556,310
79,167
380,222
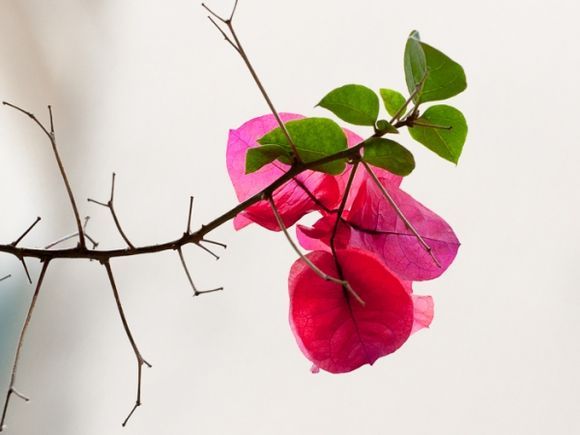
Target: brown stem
23,261
415,92
306,260
194,237
51,136
24,234
339,218
188,230
400,213
196,292
111,206
11,387
240,49
140,359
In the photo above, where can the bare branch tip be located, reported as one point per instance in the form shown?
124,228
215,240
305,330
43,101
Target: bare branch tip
203,292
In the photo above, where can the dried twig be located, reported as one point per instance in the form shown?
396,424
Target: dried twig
5,278
23,261
228,22
188,230
197,237
196,292
17,241
50,134
73,235
111,206
11,388
140,359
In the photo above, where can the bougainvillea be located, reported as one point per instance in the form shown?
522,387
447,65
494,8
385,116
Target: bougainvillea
351,298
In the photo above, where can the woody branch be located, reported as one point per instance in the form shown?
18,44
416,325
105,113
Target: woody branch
197,237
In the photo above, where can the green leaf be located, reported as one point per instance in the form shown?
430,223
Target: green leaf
260,156
315,138
384,126
392,100
447,133
444,77
389,155
355,104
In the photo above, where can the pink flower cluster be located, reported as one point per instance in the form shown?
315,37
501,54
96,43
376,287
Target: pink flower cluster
377,254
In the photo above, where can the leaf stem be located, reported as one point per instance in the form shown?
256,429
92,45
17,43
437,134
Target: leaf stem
306,260
400,213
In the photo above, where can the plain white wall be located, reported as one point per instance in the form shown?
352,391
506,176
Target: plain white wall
149,89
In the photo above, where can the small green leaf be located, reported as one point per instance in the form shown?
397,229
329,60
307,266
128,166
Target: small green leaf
315,138
389,155
355,104
260,156
444,77
447,133
384,126
392,100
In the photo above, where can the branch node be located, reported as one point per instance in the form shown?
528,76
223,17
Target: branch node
19,395
110,205
196,292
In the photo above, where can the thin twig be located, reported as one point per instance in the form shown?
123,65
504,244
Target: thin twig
51,121
240,49
209,251
224,34
5,278
23,261
233,11
339,219
61,240
51,136
111,206
196,292
11,388
140,359
400,213
429,125
188,230
213,242
223,20
17,241
73,235
416,91
309,263
194,237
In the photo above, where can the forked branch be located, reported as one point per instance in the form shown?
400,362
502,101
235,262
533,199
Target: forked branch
140,360
196,292
110,204
11,388
228,22
51,136
321,274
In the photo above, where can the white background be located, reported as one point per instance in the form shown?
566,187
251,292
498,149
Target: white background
149,89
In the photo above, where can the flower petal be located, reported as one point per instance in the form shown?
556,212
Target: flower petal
291,199
335,331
